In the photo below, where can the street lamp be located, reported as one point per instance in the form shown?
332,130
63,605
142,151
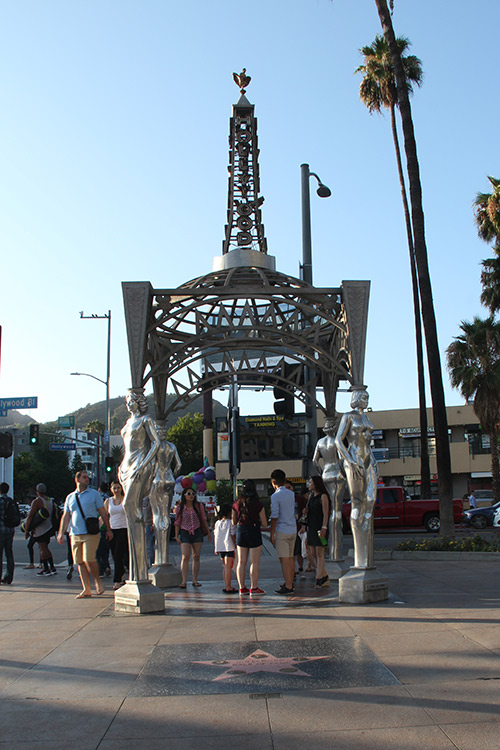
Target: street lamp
306,274
108,367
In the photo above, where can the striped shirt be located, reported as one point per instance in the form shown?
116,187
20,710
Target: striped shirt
190,520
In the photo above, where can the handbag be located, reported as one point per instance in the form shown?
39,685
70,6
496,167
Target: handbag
91,523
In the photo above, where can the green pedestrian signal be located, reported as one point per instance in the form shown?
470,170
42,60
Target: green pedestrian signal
108,464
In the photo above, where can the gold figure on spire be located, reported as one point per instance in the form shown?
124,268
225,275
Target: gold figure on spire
242,80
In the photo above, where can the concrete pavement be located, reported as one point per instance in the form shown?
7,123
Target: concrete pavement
421,670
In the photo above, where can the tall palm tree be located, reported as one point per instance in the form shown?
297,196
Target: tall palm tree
377,91
487,216
474,367
424,279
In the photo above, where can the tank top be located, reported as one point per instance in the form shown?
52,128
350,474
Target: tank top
117,517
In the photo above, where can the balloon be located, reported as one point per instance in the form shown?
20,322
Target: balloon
211,485
209,474
186,482
197,478
202,486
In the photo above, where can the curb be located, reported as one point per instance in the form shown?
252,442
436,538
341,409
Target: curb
436,555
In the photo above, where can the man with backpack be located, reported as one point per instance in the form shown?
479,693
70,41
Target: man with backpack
9,519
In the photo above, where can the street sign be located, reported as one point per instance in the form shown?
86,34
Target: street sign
106,436
3,412
24,402
66,421
62,446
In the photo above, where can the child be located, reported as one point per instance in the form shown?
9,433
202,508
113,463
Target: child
225,545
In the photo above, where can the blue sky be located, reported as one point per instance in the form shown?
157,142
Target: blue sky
114,154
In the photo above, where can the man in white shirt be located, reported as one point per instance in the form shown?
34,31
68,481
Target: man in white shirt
283,528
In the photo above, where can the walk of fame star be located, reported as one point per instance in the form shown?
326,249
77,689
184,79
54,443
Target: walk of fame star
260,661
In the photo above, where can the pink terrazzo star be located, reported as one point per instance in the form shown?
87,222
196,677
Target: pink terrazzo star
260,661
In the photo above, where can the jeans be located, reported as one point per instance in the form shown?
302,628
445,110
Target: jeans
6,540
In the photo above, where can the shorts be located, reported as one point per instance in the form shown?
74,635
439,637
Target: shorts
226,554
84,547
284,544
248,536
44,538
187,538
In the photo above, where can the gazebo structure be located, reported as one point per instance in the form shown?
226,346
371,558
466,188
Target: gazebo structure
245,322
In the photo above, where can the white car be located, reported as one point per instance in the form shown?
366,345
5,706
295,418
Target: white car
496,518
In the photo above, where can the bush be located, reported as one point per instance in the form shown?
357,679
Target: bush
475,543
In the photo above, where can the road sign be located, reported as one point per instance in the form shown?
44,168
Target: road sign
3,412
62,446
24,402
66,421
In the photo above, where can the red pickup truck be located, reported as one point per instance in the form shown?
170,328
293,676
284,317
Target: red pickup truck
394,507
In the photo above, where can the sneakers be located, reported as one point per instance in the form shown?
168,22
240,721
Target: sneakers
44,573
322,582
28,567
244,591
283,591
53,572
257,592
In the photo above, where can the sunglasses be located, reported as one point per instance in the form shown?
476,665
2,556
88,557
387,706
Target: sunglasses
189,493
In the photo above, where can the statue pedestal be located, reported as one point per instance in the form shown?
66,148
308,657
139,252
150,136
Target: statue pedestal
165,576
336,568
362,586
139,597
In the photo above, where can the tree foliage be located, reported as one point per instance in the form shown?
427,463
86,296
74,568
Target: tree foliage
41,464
187,436
474,367
95,426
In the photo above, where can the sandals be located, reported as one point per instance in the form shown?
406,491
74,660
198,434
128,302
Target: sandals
82,595
181,586
196,583
99,592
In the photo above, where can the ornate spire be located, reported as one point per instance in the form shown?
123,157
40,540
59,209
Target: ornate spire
244,229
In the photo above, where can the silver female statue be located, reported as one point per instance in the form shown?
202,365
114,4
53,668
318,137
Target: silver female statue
167,466
334,478
141,444
353,445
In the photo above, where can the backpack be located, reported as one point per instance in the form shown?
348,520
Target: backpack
11,513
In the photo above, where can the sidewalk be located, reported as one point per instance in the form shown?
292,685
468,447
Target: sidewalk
421,671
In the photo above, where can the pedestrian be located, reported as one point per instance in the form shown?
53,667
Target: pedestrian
42,506
283,529
6,536
190,528
318,513
80,506
118,524
102,554
248,515
472,500
300,504
210,507
225,545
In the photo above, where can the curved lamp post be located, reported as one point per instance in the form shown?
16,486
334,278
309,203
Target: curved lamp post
306,274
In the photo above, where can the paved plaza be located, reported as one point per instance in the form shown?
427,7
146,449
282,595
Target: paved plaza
419,671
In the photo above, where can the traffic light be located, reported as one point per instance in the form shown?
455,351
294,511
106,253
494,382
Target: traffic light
108,464
34,433
285,402
5,444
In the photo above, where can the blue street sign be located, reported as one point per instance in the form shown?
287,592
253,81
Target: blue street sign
3,412
106,436
62,446
24,402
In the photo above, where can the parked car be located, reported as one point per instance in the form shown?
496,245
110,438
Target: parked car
479,518
394,507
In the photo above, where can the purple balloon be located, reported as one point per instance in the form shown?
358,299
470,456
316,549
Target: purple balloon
209,474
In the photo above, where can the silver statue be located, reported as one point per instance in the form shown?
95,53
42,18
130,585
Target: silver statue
334,478
141,444
354,448
167,466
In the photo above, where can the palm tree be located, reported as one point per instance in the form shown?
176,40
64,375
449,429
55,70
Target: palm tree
487,216
474,367
424,279
378,90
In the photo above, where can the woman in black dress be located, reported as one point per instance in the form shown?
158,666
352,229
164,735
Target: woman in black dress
318,512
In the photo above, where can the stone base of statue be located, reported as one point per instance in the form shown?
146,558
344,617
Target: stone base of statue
139,597
363,586
165,576
336,568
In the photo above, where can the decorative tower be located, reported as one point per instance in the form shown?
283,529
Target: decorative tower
244,242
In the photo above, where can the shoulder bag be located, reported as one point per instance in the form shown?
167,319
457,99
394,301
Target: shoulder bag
91,523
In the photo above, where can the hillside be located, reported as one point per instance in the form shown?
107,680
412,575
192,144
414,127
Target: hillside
119,414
